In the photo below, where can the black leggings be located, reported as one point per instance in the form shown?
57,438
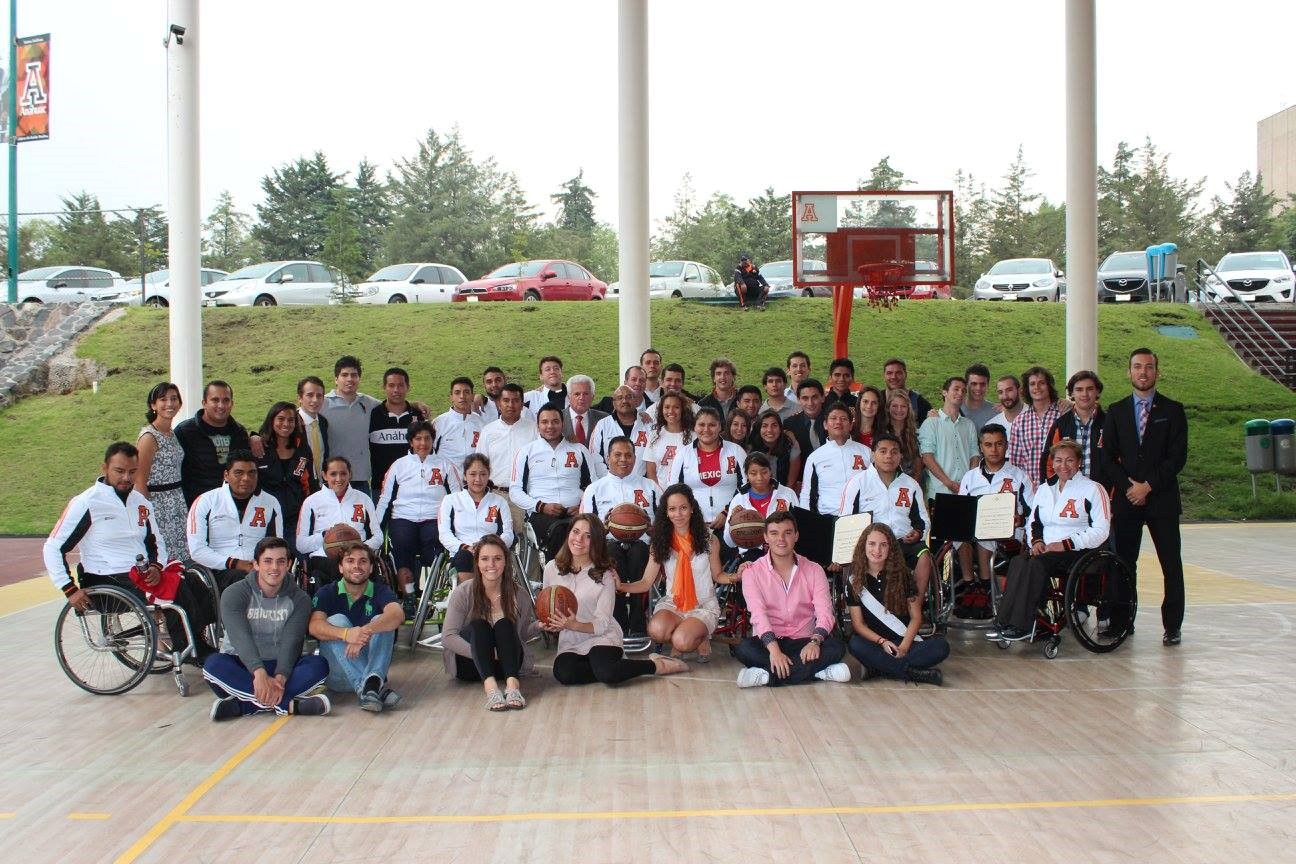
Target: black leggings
605,663
496,651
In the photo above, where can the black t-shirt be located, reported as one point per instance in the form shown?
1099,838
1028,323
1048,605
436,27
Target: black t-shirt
387,441
876,616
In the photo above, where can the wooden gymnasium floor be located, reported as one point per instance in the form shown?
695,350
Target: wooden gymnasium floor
1148,754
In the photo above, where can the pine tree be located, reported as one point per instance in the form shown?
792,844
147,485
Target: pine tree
1246,221
342,236
298,198
369,202
1008,233
227,240
575,205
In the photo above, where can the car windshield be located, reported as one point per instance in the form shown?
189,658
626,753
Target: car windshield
1253,261
157,277
1020,266
253,271
393,273
660,269
777,270
1125,261
40,273
513,271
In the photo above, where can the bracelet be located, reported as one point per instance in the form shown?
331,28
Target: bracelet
346,631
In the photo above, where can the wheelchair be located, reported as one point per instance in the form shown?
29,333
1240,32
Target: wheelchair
1095,599
119,641
947,597
440,578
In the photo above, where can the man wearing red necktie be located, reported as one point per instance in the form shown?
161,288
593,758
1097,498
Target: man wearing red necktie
579,419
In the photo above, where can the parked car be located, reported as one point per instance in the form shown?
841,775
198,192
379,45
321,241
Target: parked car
688,280
1021,279
157,288
276,283
409,283
1122,278
1255,277
779,276
534,280
66,284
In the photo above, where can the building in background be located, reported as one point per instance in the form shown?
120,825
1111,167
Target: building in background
1276,154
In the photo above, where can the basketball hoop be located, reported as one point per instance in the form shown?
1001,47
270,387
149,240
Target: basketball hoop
882,283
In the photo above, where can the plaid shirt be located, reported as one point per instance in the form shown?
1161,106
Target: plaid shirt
1028,438
1083,433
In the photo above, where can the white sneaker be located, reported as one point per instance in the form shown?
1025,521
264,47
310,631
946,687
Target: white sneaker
838,672
753,676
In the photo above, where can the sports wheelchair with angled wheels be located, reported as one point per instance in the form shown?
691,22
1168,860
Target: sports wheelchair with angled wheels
1094,598
953,603
438,581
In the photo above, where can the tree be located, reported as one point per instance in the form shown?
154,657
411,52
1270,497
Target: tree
35,238
342,236
298,198
575,205
227,240
885,214
971,219
1116,192
1283,235
1008,233
142,240
766,222
1246,221
82,236
369,202
450,208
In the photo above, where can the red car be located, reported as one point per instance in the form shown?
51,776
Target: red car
534,280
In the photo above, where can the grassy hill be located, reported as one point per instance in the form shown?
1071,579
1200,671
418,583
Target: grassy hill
51,446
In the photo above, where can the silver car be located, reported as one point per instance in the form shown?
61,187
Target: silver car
66,284
679,280
1021,279
408,283
779,276
1123,278
157,288
276,283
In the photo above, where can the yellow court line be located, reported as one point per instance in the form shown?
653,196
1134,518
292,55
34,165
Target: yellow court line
621,815
178,811
21,596
89,817
7,815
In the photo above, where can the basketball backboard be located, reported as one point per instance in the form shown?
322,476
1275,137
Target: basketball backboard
848,238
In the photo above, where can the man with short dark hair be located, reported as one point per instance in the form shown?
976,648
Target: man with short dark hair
207,438
947,442
1143,447
389,423
749,285
635,380
841,375
747,400
625,421
651,361
975,407
260,666
502,439
798,369
226,523
896,373
1029,433
549,476
487,404
458,431
310,399
1008,393
347,411
1082,423
551,391
723,394
807,426
776,394
792,616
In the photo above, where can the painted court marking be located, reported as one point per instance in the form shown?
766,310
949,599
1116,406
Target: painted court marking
178,811
737,812
89,817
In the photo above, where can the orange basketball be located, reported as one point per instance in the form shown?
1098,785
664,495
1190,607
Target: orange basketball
337,537
747,527
627,522
555,598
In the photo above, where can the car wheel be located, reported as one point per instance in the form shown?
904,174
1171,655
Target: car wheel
264,300
156,302
34,300
677,295
532,294
808,292
397,298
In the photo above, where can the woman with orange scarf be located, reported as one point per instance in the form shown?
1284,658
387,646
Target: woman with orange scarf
686,552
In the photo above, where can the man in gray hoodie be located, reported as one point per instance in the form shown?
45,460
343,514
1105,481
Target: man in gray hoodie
260,666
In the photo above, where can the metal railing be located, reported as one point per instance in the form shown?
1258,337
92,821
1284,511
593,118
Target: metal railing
1270,352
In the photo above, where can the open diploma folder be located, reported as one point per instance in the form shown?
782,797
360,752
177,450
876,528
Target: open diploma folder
846,534
972,517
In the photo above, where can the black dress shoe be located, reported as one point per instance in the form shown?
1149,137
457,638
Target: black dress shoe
1171,638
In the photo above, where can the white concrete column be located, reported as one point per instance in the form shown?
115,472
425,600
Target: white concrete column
635,327
1081,188
183,207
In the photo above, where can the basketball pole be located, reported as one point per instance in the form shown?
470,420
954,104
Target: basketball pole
634,324
1081,188
184,230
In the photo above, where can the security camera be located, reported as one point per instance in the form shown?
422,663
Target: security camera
178,32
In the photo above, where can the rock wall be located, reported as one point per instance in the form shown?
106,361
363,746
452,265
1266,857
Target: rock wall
35,348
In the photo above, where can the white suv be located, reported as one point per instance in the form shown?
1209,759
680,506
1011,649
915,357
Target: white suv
1254,277
1021,279
276,283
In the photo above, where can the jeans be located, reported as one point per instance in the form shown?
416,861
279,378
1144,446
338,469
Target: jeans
922,655
227,676
753,653
348,674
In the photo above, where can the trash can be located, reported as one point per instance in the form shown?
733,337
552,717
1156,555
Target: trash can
1163,266
1284,445
1259,447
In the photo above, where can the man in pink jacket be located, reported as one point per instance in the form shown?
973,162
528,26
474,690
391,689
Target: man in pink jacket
791,615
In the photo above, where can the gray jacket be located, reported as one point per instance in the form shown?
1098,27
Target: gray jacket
260,628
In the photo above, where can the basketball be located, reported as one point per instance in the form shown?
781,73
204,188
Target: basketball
627,522
337,537
747,528
555,598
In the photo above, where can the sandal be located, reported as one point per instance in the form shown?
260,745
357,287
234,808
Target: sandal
495,701
668,665
514,699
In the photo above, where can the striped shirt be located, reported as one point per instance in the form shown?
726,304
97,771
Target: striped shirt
1028,438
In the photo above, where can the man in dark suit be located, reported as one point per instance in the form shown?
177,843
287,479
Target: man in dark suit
579,419
1143,447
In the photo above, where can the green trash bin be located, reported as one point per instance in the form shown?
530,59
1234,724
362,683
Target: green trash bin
1284,445
1259,447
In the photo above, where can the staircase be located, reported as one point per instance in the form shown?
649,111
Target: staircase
1263,335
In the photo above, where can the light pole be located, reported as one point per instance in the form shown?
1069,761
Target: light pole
12,254
1081,188
634,325
184,223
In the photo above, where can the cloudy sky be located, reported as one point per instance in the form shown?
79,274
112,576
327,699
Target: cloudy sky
744,95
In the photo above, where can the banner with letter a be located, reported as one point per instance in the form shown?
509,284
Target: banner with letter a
32,78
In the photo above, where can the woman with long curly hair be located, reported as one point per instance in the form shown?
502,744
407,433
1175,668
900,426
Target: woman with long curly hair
886,611
672,431
287,470
900,422
590,641
772,438
685,550
487,625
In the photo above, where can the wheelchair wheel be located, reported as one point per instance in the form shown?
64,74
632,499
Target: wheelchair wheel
1051,648
1100,603
431,608
386,571
939,602
215,631
110,648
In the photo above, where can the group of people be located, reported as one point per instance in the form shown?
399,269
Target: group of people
469,480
